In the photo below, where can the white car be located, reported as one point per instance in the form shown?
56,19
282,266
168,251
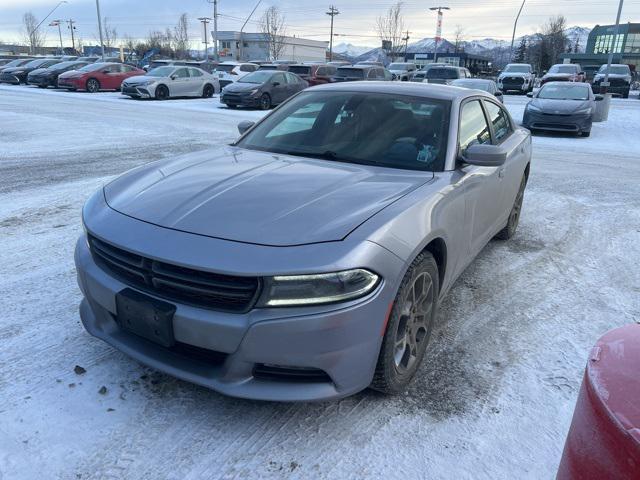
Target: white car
402,71
518,77
231,72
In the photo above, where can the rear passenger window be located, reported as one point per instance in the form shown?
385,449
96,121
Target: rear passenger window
500,121
473,126
321,71
194,72
181,73
246,68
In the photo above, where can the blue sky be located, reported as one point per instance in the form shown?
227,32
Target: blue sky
355,24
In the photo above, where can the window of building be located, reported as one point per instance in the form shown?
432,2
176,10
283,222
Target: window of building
606,44
225,44
633,43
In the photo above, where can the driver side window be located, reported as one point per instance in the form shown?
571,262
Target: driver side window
473,126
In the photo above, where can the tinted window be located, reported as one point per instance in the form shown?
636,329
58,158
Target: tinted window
446,73
300,69
181,73
564,69
350,72
194,72
473,126
499,120
225,68
291,78
320,72
379,129
280,78
247,68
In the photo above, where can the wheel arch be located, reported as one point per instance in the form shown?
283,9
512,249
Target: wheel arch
438,248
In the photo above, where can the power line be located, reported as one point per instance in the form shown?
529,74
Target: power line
333,11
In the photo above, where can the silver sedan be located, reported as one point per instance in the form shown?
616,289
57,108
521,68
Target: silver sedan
172,81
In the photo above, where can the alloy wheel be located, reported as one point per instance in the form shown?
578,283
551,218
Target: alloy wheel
93,85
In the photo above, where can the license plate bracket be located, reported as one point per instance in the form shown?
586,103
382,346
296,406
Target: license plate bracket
145,316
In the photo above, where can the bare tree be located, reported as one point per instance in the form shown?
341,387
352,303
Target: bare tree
272,26
109,34
390,28
554,39
458,38
32,37
181,37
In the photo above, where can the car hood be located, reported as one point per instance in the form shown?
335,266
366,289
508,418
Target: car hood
71,74
560,106
136,79
559,75
624,76
15,69
238,87
37,71
258,197
514,74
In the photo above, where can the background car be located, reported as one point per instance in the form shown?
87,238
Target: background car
564,72
619,79
17,75
229,72
262,89
517,77
315,74
371,63
561,107
360,72
98,76
18,62
402,70
172,81
48,77
445,75
485,85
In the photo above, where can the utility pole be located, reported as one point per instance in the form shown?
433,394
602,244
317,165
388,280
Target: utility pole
333,11
215,30
56,23
42,21
406,44
240,50
438,30
605,84
513,35
100,28
205,21
72,28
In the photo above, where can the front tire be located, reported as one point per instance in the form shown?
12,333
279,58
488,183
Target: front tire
409,326
265,101
162,92
93,85
514,215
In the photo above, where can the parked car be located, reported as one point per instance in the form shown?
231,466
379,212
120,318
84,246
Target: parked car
90,59
339,63
561,107
418,76
18,75
307,260
262,89
171,81
355,73
485,85
370,63
274,66
445,75
517,77
48,77
564,72
619,79
98,76
18,62
590,71
315,74
402,70
229,72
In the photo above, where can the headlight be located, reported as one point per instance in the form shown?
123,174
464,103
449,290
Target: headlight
301,290
584,111
17,72
145,84
254,91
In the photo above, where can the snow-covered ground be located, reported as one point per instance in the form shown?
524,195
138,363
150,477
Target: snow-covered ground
493,399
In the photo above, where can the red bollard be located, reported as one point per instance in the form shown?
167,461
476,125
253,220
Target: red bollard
604,439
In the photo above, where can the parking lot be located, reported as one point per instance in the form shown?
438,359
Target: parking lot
494,396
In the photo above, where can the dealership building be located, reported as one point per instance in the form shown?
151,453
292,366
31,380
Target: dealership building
243,46
603,40
475,63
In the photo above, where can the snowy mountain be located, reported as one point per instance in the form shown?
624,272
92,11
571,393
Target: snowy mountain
350,50
579,34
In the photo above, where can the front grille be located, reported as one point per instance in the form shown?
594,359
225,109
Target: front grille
184,285
516,81
556,126
264,371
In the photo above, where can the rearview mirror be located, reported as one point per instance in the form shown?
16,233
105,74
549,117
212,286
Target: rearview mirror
245,125
599,98
485,155
530,94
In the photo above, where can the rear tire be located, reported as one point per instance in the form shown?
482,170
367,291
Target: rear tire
514,215
409,326
162,92
92,85
207,91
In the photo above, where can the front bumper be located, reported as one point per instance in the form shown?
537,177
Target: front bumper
514,84
70,83
341,340
9,78
557,123
40,81
240,100
137,91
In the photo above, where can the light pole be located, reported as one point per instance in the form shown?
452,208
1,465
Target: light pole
438,30
215,30
333,11
513,35
605,84
100,28
240,49
56,23
205,22
48,15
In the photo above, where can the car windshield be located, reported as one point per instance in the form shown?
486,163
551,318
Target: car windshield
36,63
350,72
63,65
225,68
446,73
257,77
15,63
517,69
615,70
477,84
564,92
92,67
563,69
268,67
379,129
398,66
161,72
300,69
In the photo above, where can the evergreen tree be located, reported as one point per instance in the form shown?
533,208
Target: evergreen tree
521,52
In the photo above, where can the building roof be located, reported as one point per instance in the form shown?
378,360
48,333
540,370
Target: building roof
230,35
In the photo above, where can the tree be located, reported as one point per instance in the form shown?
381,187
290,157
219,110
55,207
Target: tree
181,37
576,46
554,39
521,52
272,26
459,38
32,36
390,28
109,34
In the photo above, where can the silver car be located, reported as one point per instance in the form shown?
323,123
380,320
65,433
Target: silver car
170,81
307,260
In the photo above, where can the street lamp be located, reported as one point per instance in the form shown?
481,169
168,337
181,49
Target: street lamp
438,30
100,28
48,15
605,83
513,35
56,23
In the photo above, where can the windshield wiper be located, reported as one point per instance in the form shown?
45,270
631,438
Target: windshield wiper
326,155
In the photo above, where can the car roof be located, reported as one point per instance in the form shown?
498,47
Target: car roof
473,80
360,66
426,90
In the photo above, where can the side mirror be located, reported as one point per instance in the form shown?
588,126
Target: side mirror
581,73
276,84
599,98
498,93
530,94
106,70
485,155
245,125
172,77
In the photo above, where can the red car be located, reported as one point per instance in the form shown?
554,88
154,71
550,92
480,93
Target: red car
564,72
314,74
98,76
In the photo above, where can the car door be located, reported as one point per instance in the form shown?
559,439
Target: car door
482,184
517,146
279,88
179,86
196,83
